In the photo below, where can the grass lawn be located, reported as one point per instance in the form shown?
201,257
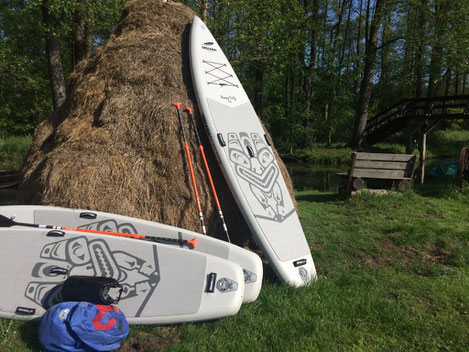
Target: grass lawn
393,276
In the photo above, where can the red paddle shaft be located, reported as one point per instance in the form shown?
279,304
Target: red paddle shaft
7,222
207,169
189,161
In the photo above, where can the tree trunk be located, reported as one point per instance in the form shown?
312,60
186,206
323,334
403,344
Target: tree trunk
338,26
456,83
357,61
324,28
434,79
81,34
347,29
420,50
367,22
383,76
308,82
448,75
367,80
286,101
56,77
259,85
204,9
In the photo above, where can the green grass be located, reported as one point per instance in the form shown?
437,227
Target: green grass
393,276
441,143
13,150
447,142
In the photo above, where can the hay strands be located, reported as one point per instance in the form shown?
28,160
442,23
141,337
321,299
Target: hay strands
209,174
7,222
189,161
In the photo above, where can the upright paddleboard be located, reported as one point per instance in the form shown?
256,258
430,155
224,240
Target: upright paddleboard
95,220
247,160
162,284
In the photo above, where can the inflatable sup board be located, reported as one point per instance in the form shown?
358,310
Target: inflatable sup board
163,284
247,160
95,220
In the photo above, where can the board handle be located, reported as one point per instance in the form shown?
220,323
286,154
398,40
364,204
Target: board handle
250,151
221,140
88,215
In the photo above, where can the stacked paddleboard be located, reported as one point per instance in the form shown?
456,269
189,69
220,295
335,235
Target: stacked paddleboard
163,283
247,159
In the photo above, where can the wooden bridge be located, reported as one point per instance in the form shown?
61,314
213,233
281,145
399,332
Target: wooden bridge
424,113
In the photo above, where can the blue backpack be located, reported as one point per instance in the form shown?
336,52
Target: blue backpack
82,327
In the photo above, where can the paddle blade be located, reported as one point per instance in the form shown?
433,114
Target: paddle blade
6,222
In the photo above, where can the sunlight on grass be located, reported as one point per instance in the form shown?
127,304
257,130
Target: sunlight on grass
393,276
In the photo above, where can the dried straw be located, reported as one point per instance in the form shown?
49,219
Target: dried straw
115,144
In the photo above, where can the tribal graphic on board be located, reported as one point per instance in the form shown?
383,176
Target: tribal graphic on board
80,256
255,163
110,225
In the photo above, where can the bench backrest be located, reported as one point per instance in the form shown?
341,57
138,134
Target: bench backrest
381,165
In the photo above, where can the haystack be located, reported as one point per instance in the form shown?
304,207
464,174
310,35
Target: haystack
115,145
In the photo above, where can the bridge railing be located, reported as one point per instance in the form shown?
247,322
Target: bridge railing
448,107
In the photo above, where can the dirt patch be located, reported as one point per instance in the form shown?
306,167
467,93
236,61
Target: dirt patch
156,340
409,257
436,254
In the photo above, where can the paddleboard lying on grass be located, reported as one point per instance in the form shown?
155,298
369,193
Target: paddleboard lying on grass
94,220
163,284
247,160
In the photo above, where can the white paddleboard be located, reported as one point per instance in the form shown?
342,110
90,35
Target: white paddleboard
247,160
162,284
94,220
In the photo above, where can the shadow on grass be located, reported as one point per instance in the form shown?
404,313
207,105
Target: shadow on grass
440,187
269,274
320,198
28,332
448,142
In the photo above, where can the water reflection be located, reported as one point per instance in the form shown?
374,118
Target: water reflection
317,177
304,176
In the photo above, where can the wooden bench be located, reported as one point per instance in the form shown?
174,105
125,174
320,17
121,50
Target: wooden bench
397,167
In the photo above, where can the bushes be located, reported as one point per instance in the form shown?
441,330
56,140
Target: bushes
13,150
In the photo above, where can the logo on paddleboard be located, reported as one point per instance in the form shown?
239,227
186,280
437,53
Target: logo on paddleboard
255,163
304,274
207,46
230,99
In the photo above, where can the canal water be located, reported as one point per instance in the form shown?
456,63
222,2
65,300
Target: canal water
317,177
304,176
